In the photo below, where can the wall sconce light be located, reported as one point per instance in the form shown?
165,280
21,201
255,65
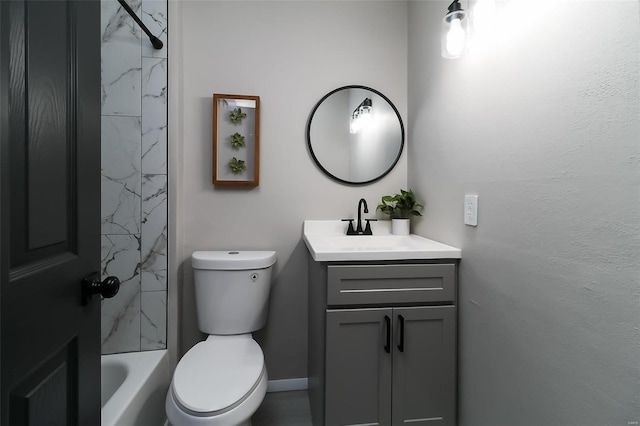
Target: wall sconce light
361,116
454,31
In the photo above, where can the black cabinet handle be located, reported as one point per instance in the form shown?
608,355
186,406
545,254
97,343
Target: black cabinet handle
401,344
387,347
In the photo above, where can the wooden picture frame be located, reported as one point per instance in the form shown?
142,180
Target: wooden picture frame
236,140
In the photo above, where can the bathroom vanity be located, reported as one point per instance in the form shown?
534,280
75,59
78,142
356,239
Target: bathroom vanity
382,328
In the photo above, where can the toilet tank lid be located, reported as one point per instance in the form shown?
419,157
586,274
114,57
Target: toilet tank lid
232,260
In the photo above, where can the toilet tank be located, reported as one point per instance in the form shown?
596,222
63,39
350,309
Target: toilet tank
232,290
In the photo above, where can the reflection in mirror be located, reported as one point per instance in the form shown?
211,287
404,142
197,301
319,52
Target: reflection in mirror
355,134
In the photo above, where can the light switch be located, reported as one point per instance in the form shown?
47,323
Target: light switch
471,210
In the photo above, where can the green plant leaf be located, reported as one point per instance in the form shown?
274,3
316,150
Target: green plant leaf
400,205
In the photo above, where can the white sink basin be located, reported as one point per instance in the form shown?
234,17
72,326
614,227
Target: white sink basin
327,241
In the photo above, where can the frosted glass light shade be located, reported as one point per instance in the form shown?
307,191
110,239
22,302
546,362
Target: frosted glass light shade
454,34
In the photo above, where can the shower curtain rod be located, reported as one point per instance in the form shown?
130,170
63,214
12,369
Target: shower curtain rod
157,43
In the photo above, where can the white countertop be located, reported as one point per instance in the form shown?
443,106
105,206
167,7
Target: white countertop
327,241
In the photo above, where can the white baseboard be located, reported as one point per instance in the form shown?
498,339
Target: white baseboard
285,385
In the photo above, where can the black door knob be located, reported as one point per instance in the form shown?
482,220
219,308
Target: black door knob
91,285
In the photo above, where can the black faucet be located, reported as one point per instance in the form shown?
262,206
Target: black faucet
366,210
359,230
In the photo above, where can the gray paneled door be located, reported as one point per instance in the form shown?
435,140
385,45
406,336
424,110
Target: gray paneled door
424,366
50,211
358,377
391,366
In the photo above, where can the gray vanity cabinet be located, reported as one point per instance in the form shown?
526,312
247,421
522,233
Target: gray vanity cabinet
382,343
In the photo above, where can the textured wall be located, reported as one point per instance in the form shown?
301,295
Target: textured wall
134,176
544,125
290,54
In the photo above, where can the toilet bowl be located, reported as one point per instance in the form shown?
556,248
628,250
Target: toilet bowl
223,380
219,382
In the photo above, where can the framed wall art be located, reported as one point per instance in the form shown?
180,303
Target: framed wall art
236,140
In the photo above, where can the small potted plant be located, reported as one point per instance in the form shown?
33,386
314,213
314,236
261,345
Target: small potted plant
400,207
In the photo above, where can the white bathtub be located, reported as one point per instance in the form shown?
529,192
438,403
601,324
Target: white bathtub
134,386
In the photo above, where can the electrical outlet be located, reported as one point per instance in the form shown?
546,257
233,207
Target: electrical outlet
471,210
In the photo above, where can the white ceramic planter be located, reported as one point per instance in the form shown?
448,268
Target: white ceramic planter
400,226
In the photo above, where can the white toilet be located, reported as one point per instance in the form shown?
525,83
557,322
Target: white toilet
222,380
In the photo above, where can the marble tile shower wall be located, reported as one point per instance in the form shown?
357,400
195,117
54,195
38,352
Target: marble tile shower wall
134,176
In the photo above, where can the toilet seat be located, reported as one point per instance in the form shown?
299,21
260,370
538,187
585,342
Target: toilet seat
218,374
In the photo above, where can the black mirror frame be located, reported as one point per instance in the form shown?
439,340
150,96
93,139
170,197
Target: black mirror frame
315,159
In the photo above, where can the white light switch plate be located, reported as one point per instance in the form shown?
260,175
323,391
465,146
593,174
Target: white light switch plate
471,210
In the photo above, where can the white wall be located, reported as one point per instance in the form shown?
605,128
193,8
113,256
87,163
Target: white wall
545,128
290,54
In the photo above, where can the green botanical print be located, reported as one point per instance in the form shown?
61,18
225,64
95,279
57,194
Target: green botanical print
237,166
237,140
237,115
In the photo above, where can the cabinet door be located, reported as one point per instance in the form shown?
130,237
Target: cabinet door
424,366
358,367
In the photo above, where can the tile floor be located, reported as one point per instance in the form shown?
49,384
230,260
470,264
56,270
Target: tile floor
283,409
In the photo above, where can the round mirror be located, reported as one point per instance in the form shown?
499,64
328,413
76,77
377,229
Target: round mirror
355,134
